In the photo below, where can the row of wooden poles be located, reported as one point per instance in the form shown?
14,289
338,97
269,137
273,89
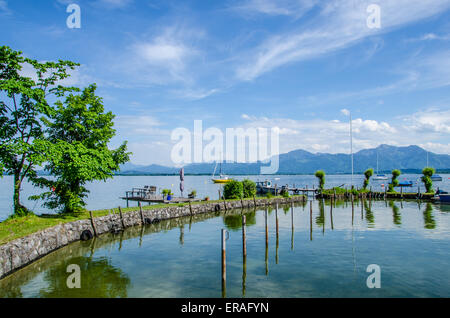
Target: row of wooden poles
244,246
244,243
122,223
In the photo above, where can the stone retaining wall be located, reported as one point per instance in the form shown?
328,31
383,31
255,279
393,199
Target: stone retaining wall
23,251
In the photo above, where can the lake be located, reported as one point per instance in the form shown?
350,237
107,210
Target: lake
106,195
408,240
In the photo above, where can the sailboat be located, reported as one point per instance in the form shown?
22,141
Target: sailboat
379,176
222,178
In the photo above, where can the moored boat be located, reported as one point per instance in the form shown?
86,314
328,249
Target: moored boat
436,177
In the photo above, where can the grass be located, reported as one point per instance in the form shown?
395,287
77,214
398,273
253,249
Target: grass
17,227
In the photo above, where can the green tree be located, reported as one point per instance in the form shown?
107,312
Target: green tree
394,182
426,179
76,150
367,174
320,174
233,190
22,105
249,188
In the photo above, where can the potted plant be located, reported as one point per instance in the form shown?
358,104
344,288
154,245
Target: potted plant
192,194
167,193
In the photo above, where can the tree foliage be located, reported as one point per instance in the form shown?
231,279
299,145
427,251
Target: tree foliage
249,188
320,174
233,190
76,150
367,174
426,179
22,105
394,182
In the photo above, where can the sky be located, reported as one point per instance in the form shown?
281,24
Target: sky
300,65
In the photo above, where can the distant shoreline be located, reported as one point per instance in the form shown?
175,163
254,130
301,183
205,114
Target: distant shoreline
125,174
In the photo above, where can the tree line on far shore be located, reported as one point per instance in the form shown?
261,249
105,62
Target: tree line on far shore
64,130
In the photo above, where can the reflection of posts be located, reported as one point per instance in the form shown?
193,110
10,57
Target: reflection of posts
182,234
310,220
277,228
224,265
353,211
244,255
267,244
292,226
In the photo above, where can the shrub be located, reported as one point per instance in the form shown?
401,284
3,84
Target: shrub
426,179
285,193
394,183
249,188
193,194
320,174
269,195
167,192
233,190
368,173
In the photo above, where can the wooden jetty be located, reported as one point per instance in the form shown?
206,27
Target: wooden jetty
149,195
263,187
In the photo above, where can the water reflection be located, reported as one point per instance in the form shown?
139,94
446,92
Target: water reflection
370,218
98,279
428,218
131,263
397,217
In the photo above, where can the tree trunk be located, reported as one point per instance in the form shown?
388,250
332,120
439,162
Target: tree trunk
16,199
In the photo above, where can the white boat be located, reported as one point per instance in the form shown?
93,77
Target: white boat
436,177
379,176
222,178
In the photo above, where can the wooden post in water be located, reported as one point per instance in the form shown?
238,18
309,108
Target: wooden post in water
121,218
225,203
142,213
331,213
224,264
127,199
254,200
93,223
219,195
190,207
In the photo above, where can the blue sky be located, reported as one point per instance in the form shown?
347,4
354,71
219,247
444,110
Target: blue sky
293,64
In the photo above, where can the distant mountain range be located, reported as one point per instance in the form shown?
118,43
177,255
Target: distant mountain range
408,159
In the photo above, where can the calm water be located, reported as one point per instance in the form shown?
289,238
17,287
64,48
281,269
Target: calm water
182,258
106,195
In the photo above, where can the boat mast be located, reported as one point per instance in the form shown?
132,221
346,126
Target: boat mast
377,162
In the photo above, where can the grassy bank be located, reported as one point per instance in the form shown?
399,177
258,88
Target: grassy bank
14,228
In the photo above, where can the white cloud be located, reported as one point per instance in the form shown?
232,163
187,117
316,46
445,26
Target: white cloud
112,4
430,37
430,120
294,8
4,9
340,24
428,129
